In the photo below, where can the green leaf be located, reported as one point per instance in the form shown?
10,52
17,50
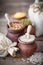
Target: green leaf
25,21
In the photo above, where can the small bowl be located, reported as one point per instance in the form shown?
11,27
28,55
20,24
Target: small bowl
19,16
26,48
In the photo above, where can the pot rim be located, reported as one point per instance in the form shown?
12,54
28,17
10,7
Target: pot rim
26,42
14,31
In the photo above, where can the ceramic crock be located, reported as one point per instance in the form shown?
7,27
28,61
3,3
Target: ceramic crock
26,48
14,34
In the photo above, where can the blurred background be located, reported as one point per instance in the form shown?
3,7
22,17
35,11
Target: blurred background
12,6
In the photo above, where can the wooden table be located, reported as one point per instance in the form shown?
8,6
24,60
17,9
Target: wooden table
18,60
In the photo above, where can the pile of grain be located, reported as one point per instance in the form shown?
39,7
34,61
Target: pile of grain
36,58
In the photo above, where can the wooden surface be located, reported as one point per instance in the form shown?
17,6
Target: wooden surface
18,60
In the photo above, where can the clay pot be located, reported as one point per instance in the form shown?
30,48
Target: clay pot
14,34
27,49
19,16
32,30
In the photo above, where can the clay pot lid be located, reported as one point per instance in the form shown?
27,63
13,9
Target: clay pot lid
23,39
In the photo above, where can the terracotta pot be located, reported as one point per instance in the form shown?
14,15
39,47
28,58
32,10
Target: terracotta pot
32,30
15,31
19,16
27,49
13,37
14,34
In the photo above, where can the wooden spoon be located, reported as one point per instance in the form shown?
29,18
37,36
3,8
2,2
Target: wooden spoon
7,18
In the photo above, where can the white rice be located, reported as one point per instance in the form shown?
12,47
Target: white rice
36,58
24,38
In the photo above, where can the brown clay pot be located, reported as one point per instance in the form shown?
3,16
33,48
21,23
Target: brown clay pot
26,49
14,34
32,30
13,37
